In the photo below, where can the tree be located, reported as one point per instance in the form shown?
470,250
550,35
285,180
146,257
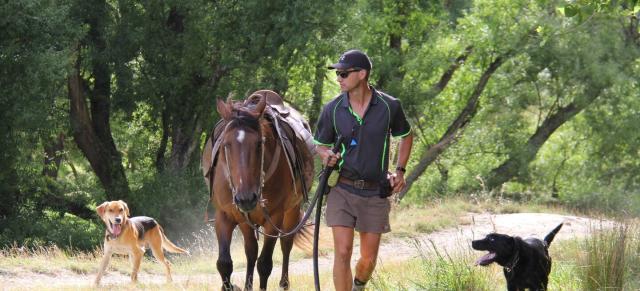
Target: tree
91,78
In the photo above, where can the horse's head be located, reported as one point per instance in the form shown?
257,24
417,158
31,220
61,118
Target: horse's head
242,149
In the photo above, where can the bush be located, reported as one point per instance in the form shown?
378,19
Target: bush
177,202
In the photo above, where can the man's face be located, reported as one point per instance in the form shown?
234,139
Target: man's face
349,78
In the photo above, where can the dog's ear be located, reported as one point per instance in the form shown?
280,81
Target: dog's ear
126,208
516,243
100,209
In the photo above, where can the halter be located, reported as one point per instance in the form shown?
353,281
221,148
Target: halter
262,201
234,191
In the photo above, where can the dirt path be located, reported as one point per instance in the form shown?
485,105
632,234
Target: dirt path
392,250
455,239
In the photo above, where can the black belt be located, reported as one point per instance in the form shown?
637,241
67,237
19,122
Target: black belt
360,184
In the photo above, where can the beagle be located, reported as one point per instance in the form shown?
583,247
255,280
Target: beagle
130,235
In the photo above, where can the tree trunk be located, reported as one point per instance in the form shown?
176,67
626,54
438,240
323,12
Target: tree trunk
458,125
518,162
53,156
184,140
92,134
160,161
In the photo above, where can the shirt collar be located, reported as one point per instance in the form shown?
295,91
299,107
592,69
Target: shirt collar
374,97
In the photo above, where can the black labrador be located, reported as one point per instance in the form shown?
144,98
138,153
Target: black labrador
526,262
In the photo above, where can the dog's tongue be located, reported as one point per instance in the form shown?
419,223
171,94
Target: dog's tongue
116,228
486,259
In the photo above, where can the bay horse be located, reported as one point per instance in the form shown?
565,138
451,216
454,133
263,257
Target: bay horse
252,184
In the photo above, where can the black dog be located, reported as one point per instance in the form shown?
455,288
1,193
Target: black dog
526,263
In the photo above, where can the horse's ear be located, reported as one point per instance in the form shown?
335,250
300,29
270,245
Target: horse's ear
224,109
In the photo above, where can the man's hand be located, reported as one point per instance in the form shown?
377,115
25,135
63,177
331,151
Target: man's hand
397,181
329,158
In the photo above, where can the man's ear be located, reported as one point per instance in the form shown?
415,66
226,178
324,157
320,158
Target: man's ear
126,208
362,74
100,209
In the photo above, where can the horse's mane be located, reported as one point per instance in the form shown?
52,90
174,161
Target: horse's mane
244,116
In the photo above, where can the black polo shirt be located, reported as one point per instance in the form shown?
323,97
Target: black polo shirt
365,147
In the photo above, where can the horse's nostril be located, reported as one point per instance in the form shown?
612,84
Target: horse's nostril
246,202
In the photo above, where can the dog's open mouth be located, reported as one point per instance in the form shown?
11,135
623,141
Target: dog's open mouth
486,259
116,229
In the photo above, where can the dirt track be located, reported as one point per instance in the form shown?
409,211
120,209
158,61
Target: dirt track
394,249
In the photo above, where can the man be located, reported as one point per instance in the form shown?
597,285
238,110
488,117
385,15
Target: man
365,118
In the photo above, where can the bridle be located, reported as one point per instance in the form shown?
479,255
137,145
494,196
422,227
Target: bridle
261,200
234,191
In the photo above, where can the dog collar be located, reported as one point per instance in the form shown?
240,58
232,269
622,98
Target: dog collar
513,263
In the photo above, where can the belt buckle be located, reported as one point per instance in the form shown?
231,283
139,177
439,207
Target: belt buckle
358,184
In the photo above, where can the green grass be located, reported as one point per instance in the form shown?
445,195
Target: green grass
434,270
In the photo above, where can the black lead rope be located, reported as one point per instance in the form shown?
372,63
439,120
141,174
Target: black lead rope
322,186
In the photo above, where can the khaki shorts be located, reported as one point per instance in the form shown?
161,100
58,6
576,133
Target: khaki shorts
365,214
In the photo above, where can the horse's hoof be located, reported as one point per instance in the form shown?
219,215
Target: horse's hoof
233,288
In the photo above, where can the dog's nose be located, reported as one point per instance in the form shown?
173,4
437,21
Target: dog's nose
246,201
118,220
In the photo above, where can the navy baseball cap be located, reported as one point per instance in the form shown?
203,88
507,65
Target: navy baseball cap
352,59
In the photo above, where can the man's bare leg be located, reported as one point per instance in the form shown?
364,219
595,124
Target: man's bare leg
369,245
343,248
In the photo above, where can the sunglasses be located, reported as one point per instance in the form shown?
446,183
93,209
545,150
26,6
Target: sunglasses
345,74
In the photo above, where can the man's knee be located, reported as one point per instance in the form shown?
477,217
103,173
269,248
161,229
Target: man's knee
343,253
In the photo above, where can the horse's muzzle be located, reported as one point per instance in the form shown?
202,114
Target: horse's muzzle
246,201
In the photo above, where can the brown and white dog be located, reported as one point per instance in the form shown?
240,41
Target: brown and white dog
130,235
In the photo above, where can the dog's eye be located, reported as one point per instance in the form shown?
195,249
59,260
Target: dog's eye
121,209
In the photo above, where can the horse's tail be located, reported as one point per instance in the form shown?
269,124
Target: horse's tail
303,239
169,246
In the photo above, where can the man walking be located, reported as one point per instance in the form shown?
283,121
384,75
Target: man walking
366,118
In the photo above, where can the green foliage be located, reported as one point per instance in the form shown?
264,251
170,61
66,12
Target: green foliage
169,60
35,38
178,203
51,229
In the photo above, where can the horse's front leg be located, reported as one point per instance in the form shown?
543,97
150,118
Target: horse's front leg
265,261
291,219
224,232
251,251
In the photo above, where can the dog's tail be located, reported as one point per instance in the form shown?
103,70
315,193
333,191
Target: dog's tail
549,238
169,246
